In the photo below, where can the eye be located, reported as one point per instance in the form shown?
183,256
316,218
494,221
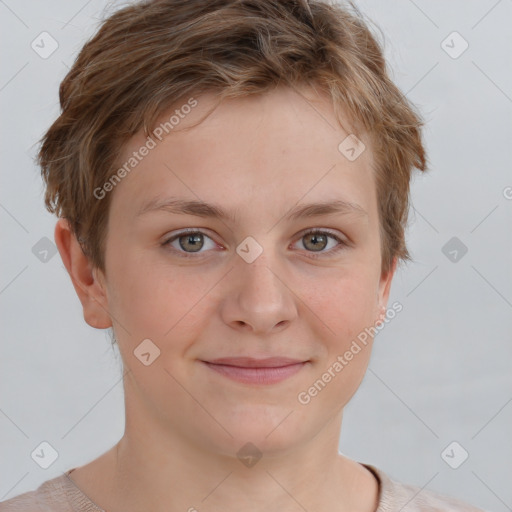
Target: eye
189,242
317,240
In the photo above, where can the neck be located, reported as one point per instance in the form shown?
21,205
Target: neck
166,471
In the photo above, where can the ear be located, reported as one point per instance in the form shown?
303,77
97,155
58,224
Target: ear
385,288
87,281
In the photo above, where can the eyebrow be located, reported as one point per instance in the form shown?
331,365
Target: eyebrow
202,209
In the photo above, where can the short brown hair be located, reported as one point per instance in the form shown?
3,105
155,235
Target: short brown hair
148,55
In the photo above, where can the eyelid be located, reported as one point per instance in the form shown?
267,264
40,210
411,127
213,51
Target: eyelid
326,231
186,231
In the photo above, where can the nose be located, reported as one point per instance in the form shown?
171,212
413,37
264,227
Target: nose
258,300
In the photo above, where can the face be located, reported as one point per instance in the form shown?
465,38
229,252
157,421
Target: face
267,278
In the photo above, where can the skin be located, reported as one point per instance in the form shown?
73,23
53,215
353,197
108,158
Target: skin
257,157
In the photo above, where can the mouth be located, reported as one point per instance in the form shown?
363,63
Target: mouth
256,371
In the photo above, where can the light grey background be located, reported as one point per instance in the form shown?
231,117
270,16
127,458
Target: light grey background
440,371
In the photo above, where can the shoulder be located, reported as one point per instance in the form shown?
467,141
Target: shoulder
32,501
394,496
55,495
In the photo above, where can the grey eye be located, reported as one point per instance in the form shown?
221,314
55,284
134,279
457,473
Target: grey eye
315,241
323,243
191,242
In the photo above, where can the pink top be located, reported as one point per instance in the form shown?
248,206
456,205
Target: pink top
61,495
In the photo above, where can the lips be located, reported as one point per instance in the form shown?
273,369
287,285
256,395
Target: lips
250,362
256,371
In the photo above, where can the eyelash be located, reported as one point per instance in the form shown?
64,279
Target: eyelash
322,254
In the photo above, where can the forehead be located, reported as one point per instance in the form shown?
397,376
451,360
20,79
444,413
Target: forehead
279,146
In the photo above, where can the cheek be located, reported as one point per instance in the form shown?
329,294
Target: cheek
156,302
347,310
345,303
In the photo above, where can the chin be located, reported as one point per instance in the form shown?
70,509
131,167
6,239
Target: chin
270,433
253,444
